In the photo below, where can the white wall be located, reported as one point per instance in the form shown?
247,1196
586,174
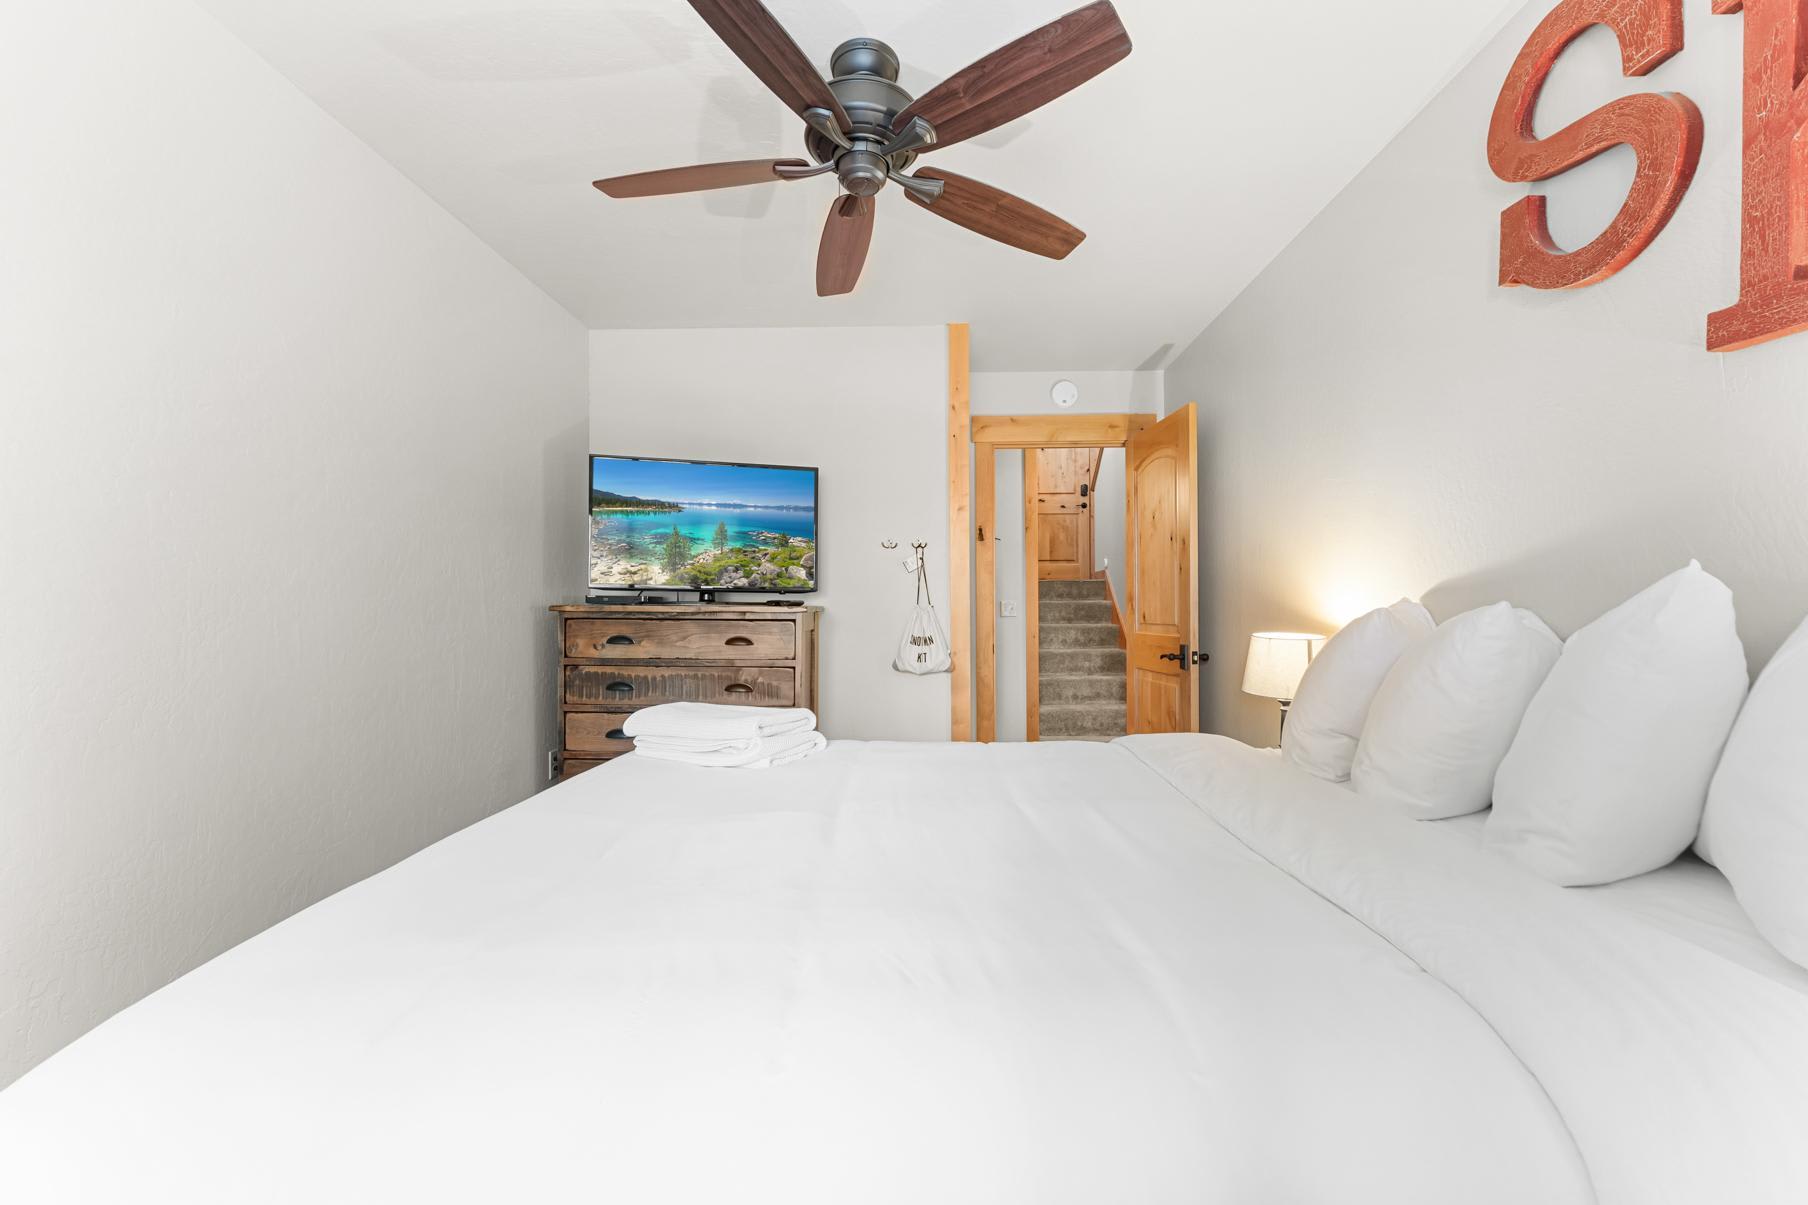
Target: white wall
1027,393
290,468
1377,418
1100,392
868,407
1108,530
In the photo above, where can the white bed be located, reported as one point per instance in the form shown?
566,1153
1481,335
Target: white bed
1168,969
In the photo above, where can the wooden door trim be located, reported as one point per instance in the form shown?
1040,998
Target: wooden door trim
1032,601
1194,673
960,535
989,435
1059,430
985,504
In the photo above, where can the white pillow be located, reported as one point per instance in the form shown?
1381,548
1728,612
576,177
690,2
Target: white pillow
1447,711
1758,803
1332,700
1610,770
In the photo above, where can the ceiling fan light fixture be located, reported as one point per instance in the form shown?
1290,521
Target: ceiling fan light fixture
868,131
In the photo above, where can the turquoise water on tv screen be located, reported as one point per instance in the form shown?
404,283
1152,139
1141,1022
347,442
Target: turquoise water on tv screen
701,526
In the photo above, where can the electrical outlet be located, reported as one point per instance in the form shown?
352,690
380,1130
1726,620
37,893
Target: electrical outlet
1007,609
552,764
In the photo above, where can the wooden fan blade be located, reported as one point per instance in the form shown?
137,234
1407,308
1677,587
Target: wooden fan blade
999,215
845,237
700,178
758,40
1025,75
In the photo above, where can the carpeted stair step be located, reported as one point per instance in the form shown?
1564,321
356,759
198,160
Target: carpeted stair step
1075,610
1080,688
1072,721
1062,662
1079,636
1085,588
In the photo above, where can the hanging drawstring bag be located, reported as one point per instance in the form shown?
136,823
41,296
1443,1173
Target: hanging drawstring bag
924,648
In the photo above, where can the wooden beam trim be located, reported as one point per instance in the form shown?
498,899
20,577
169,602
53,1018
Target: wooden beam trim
985,653
960,538
1032,603
1058,430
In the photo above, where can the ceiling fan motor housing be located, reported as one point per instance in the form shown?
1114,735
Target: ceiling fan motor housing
864,78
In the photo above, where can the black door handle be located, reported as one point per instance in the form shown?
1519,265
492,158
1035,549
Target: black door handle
1182,657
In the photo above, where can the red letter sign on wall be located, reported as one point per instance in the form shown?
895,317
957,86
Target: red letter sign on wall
1773,250
1663,128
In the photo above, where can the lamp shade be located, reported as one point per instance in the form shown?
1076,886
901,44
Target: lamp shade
1277,661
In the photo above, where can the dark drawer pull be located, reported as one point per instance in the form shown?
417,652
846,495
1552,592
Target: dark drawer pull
615,734
738,688
739,640
619,640
620,688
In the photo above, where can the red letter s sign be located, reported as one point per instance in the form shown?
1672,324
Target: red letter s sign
1664,129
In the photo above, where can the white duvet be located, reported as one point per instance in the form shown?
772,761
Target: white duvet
1169,969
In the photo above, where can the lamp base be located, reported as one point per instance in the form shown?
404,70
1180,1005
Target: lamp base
1285,705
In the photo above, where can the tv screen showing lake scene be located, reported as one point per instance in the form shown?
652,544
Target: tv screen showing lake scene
691,525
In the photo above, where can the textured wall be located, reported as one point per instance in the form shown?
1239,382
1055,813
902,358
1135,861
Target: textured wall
1377,418
866,406
291,464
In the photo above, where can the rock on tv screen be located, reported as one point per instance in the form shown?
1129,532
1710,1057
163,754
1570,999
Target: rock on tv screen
700,525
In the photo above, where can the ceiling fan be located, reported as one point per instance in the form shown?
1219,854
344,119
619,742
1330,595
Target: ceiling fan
868,131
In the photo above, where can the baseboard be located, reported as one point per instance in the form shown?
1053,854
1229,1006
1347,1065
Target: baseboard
1117,614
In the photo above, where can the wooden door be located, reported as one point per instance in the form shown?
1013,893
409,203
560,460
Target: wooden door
1161,567
1063,481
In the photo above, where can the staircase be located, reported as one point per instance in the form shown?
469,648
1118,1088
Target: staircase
1081,667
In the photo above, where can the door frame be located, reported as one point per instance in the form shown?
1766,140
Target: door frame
992,434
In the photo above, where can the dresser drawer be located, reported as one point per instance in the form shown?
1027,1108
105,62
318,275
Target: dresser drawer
575,767
589,732
681,639
633,686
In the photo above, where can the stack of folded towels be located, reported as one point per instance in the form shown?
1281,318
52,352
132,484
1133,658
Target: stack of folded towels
711,734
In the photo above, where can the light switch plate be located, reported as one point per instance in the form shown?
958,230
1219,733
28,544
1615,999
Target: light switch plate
1007,609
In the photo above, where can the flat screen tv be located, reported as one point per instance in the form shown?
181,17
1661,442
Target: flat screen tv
701,525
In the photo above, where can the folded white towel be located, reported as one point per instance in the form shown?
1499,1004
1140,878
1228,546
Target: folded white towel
758,754
718,722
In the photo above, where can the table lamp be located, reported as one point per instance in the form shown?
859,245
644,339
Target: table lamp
1277,661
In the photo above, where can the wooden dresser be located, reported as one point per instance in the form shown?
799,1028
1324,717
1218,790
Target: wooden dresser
614,660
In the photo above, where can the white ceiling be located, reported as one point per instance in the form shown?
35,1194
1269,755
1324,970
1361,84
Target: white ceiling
1190,164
